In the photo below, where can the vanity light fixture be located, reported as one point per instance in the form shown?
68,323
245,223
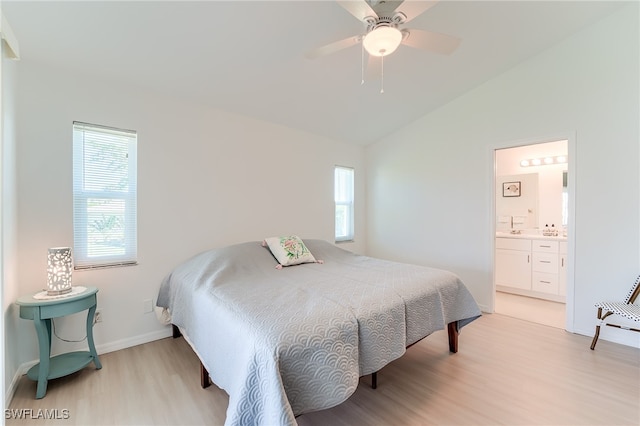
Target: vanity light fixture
543,161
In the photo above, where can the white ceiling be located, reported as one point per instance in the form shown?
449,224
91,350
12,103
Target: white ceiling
248,56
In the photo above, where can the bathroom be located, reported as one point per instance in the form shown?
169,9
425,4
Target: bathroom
531,205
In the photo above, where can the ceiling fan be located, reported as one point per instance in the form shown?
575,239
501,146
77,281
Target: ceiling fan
384,22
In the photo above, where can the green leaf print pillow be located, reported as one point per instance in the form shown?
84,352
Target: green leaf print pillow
289,250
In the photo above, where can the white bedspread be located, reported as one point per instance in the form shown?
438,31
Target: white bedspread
286,342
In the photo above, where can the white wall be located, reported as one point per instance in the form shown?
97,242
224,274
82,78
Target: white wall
429,185
8,225
206,178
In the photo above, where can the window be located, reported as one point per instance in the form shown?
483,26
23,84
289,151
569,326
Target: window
104,196
343,182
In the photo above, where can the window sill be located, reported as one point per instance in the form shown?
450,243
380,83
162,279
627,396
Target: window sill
113,265
344,241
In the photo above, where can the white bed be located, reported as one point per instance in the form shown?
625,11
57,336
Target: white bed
284,342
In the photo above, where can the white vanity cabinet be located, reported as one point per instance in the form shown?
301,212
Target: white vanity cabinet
531,267
513,263
545,266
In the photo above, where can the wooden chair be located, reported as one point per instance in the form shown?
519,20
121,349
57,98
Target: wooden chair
627,309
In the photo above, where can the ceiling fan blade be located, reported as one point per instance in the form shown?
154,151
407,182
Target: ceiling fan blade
358,8
412,8
333,47
428,40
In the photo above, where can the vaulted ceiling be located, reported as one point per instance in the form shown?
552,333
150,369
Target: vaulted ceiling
248,57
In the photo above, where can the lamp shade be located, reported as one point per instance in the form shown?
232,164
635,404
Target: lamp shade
59,269
382,41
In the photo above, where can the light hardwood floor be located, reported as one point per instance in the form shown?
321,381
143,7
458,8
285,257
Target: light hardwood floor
531,309
508,372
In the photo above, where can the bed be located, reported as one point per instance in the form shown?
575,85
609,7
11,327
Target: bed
284,342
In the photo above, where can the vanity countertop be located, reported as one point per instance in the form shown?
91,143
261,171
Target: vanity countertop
530,236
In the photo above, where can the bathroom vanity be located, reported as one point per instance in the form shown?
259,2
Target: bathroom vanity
531,265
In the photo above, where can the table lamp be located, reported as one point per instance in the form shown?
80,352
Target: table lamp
59,269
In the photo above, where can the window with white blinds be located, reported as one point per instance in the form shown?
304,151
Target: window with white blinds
343,191
104,196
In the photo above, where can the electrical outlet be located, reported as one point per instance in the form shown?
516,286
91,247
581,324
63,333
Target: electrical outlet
147,306
98,317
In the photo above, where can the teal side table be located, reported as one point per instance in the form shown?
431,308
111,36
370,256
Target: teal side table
41,312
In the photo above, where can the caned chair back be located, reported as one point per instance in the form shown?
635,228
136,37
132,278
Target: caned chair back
634,292
627,309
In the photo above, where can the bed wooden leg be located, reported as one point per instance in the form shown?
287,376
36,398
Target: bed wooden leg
205,381
374,380
452,328
176,331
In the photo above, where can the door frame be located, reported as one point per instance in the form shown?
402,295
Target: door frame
570,137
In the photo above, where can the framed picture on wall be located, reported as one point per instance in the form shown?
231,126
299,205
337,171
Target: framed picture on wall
511,189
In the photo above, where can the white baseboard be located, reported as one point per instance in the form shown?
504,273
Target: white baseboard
101,349
484,309
13,385
133,341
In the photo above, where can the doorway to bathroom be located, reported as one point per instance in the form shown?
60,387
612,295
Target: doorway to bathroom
533,223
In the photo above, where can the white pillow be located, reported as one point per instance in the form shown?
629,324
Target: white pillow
289,250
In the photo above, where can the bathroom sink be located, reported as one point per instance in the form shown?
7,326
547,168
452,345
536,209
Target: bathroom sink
530,235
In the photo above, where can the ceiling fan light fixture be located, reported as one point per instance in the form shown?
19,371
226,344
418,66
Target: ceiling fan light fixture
382,41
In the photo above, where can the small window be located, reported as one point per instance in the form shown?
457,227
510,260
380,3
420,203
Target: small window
344,203
104,196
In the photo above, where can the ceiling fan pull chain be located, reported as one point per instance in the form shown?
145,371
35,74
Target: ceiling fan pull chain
382,74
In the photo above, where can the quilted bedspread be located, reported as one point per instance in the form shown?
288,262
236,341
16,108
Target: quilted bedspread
286,342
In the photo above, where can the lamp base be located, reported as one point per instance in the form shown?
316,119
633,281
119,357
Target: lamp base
58,292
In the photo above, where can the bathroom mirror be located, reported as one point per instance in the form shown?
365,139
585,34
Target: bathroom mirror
565,200
517,211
